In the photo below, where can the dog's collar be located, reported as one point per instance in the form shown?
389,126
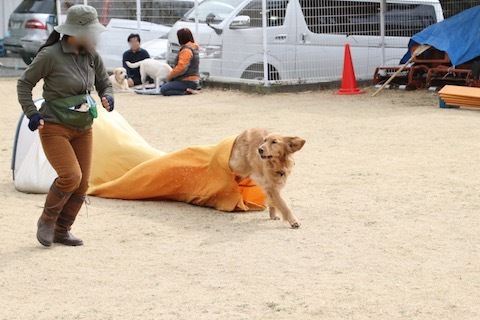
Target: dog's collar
281,173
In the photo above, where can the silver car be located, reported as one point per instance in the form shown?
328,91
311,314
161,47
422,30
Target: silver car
29,27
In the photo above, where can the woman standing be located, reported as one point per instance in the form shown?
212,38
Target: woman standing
185,77
70,68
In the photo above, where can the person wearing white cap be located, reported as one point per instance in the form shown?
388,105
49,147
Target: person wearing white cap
70,68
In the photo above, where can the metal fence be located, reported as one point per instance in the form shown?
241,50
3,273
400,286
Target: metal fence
271,42
165,12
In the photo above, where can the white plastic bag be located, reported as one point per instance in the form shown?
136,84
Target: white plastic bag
35,174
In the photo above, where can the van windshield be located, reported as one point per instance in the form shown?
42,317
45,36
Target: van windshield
221,9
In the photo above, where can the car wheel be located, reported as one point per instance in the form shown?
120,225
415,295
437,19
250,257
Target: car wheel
255,72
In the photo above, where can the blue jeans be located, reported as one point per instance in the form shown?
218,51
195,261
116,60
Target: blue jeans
177,88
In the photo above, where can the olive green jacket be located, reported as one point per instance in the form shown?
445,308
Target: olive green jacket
61,77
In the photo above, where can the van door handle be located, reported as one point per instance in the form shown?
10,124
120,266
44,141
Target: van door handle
304,37
281,37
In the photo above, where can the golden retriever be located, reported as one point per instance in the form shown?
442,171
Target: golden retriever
267,158
119,80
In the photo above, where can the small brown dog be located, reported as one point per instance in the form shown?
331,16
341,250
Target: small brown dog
267,159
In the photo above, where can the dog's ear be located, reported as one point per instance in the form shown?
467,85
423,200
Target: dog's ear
294,144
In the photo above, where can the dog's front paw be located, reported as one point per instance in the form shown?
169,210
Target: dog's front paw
273,214
295,224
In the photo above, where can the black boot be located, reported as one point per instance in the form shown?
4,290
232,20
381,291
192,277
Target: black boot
65,221
54,203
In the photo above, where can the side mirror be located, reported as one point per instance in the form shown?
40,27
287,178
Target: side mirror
210,18
240,22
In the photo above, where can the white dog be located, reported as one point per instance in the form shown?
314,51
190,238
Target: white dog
155,69
119,80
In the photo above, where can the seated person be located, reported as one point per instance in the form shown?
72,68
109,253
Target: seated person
135,54
185,77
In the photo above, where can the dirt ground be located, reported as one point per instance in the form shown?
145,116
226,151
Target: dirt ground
387,190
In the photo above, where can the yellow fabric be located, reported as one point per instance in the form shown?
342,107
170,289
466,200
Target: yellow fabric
117,148
131,169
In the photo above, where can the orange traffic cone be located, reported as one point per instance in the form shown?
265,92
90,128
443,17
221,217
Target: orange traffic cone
349,82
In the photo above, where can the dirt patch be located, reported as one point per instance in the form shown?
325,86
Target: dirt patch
387,190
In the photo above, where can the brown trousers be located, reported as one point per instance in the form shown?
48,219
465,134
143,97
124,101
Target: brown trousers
70,154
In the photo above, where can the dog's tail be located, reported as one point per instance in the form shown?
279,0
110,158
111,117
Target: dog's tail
132,65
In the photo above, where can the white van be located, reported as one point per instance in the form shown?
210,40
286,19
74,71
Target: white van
305,38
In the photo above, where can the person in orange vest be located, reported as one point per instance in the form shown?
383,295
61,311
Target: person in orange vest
185,77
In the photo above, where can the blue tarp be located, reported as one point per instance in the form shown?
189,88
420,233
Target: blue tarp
458,36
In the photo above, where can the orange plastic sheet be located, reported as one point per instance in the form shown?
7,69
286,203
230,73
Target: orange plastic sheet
129,168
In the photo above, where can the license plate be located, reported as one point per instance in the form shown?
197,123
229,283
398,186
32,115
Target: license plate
16,25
